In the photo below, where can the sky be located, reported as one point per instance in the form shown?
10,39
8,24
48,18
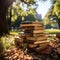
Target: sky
43,7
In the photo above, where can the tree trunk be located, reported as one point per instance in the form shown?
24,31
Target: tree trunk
3,22
4,4
9,18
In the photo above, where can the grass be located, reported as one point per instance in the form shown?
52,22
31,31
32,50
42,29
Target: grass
53,31
14,32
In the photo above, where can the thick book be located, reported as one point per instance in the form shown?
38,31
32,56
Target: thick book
34,41
32,45
33,31
37,31
39,35
33,28
28,35
35,35
41,42
44,44
30,25
36,38
31,22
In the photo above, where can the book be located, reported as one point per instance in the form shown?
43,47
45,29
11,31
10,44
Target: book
35,34
30,25
32,28
32,46
37,31
38,35
40,42
31,22
36,38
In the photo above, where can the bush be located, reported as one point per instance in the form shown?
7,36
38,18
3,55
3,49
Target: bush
6,42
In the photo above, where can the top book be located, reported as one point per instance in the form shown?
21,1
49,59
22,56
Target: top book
29,24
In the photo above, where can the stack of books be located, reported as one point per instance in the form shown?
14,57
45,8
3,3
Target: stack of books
34,35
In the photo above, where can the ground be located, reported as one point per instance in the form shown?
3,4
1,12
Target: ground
11,52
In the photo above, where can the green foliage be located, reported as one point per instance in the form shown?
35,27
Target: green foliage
20,7
30,17
57,9
48,26
48,16
54,13
46,21
6,42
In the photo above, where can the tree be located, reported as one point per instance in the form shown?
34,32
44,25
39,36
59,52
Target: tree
48,16
54,12
30,17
